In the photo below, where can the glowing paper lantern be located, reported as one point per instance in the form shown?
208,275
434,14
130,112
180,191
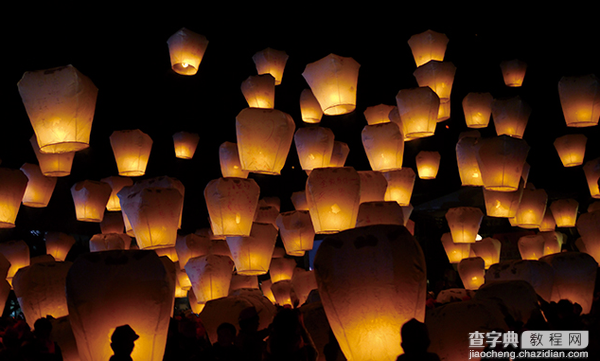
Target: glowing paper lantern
132,151
428,45
185,144
455,251
112,223
502,204
553,241
13,183
284,294
378,114
252,254
314,146
510,116
303,282
264,137
372,213
240,282
271,61
333,81
472,272
58,245
229,159
580,100
299,200
373,185
571,149
265,287
428,164
112,288
532,207
464,223
116,184
191,246
548,223
418,110
268,210
478,109
564,212
231,204
339,154
296,231
384,145
466,158
53,165
310,108
400,184
592,174
109,241
281,269
17,253
513,72
488,249
210,276
60,103
90,199
333,196
439,76
501,160
382,267
259,91
531,246
186,49
39,187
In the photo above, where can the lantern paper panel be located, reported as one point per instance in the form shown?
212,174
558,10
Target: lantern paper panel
267,210
296,231
428,45
131,149
548,223
428,164
17,253
339,154
299,200
418,110
284,294
186,50
372,213
60,103
502,204
39,187
90,199
13,183
464,223
239,282
265,287
571,149
271,61
310,108
333,81
477,108
259,91
281,268
592,175
229,159
53,165
488,249
538,274
112,223
439,76
191,246
531,247
384,146
116,184
400,184
580,100
501,160
210,276
564,212
252,254
303,282
472,272
588,226
466,157
532,207
510,116
109,241
373,186
378,114
58,244
185,144
314,146
513,72
553,241
455,251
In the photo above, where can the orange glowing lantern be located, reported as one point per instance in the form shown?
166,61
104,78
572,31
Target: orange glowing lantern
58,245
339,154
259,91
532,207
400,184
210,276
17,253
455,251
510,116
488,249
303,282
502,204
185,144
548,223
309,107
90,199
13,183
333,81
265,287
314,146
271,61
553,241
372,213
501,160
464,223
439,76
418,110
513,72
190,246
571,149
53,165
333,196
580,100
296,231
384,145
264,137
267,210
186,49
373,185
478,109
378,114
428,45
229,159
472,272
281,269
60,103
428,164
564,212
132,151
466,158
531,246
116,184
112,223
592,174
39,187
299,201
252,254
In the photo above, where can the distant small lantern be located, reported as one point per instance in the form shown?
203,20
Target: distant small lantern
53,165
501,160
532,207
314,146
513,72
333,80
418,110
510,116
478,109
472,272
58,245
464,223
259,91
17,253
564,212
310,108
427,46
378,114
282,269
372,213
13,183
384,146
186,50
571,149
116,184
455,251
132,151
299,200
109,241
271,61
488,249
580,100
502,204
252,254
90,199
229,159
439,76
400,184
339,154
60,103
231,204
592,174
333,196
39,187
531,246
428,164
466,158
185,144
296,231
264,137
373,186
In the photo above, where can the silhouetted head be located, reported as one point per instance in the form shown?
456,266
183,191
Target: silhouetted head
226,333
249,319
42,328
123,340
415,337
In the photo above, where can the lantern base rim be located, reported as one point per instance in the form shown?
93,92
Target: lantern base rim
582,124
7,225
339,109
252,272
63,147
184,70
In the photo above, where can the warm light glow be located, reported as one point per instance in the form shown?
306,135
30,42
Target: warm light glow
532,207
210,276
373,185
58,245
580,100
418,111
132,151
372,213
488,249
271,61
378,114
314,146
339,154
428,45
571,149
592,174
90,199
116,183
296,231
510,116
252,254
466,158
501,160
400,184
259,91
455,251
185,144
186,49
478,109
428,164
472,272
229,160
502,204
17,253
531,246
564,212
53,165
464,223
439,76
513,72
39,187
282,269
384,146
309,107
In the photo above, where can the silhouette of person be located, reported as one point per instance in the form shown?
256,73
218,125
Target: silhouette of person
289,340
249,338
224,348
122,343
415,342
42,347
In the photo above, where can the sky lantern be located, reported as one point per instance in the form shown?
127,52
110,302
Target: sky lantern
58,244
531,246
310,108
296,231
592,174
333,196
271,61
548,223
210,276
333,81
259,91
284,294
264,137
267,210
186,49
383,268
477,108
502,204
303,282
532,207
564,212
373,185
580,100
464,223
372,213
513,72
439,76
265,287
53,165
466,158
418,110
400,184
13,183
231,204
60,103
378,114
501,160
553,241
281,268
190,246
17,253
455,251
384,146
90,199
571,149
472,272
113,288
132,151
116,184
314,146
428,164
339,154
489,249
428,45
39,187
299,200
510,116
185,144
252,254
229,159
